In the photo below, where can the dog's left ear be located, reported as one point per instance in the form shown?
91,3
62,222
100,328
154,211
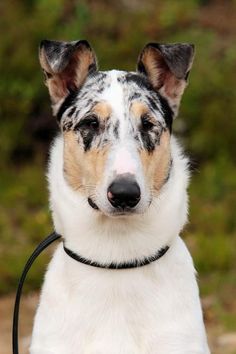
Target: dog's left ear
66,66
167,67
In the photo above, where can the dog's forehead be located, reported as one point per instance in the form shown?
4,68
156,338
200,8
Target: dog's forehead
119,89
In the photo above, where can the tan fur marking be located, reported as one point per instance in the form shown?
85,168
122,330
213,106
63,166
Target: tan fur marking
83,59
82,173
102,110
156,165
138,109
155,67
162,78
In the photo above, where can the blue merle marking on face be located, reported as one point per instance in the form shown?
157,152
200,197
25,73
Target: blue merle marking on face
145,113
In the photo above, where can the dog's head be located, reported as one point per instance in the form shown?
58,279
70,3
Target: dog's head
116,125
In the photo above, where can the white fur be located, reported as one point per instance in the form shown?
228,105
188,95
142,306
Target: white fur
153,309
124,162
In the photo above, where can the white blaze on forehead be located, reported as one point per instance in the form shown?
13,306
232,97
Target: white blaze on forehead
114,92
114,95
124,162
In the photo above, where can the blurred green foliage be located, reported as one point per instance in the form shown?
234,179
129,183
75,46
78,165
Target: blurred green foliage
206,124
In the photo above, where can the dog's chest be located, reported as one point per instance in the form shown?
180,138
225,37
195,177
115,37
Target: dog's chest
113,306
108,308
84,310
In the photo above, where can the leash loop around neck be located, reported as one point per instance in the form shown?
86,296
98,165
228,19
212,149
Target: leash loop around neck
44,244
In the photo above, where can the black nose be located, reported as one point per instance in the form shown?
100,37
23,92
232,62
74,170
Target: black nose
124,192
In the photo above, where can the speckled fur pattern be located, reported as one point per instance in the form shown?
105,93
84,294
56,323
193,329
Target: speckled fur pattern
117,123
135,88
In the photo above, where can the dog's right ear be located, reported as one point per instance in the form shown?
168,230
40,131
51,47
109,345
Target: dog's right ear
66,66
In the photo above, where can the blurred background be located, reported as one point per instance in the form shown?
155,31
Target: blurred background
206,125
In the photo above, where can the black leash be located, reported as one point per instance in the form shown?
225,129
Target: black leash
41,247
44,244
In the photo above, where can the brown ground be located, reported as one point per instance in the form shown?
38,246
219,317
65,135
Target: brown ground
220,343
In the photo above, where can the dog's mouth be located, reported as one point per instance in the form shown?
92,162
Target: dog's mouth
115,212
92,204
123,212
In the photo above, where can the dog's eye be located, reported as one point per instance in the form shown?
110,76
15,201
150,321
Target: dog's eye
146,123
89,122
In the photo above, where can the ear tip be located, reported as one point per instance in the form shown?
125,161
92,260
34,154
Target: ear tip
44,43
191,52
84,42
48,44
161,46
192,46
152,45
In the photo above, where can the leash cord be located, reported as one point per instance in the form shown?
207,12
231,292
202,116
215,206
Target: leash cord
40,248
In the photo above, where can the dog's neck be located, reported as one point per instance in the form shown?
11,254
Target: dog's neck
103,239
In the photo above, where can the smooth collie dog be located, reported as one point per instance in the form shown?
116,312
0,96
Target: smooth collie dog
122,281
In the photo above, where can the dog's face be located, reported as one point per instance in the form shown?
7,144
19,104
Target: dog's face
116,125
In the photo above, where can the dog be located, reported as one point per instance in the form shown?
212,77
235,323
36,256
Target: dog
122,281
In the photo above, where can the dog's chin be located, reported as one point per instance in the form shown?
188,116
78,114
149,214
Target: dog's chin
122,213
